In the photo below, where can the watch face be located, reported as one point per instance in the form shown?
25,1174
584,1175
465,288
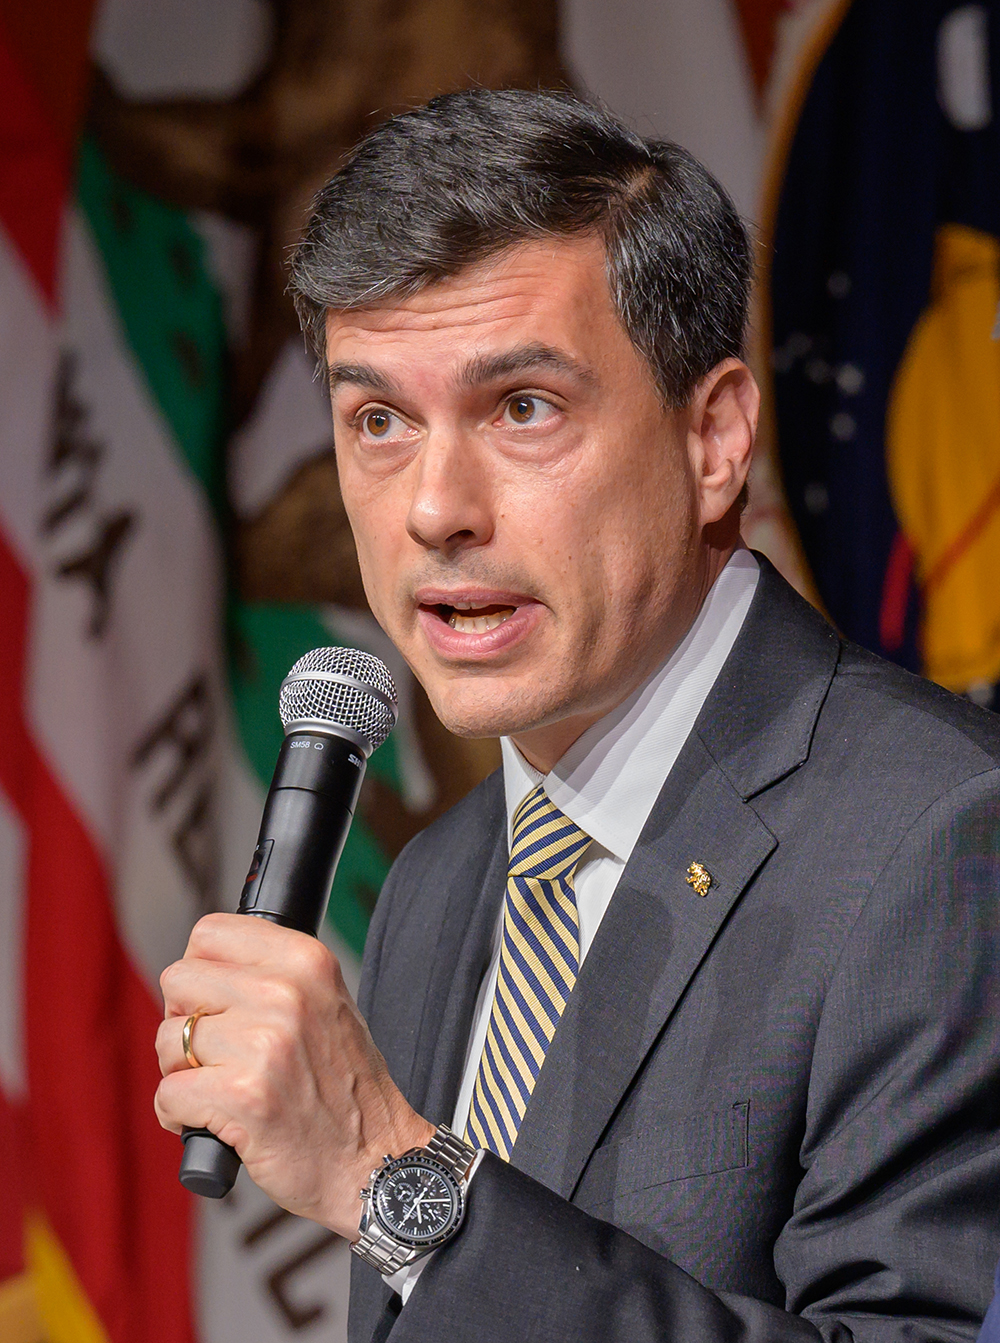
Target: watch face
417,1200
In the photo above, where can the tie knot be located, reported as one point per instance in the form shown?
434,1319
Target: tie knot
544,843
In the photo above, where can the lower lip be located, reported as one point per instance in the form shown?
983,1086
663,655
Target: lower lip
458,647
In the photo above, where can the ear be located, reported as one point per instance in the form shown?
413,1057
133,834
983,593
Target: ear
721,427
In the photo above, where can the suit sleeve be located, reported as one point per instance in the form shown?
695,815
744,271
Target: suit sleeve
896,1223
991,1325
376,932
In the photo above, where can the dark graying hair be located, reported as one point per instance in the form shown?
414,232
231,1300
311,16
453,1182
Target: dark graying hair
443,187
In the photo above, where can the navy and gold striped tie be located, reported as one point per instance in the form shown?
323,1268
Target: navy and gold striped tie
539,963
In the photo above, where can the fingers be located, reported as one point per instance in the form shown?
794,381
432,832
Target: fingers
267,1018
240,939
239,1006
251,1073
198,986
286,1058
183,1101
208,1043
224,961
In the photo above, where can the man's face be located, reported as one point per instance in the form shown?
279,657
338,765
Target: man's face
526,511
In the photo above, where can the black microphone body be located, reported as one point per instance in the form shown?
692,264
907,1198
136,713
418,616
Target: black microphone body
303,830
304,826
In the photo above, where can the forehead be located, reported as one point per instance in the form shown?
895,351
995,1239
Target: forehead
553,291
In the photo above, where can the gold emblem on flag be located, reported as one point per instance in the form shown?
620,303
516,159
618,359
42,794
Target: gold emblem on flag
699,877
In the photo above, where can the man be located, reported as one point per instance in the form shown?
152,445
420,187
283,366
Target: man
709,974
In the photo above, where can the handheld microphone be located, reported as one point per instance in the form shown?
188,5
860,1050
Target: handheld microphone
337,705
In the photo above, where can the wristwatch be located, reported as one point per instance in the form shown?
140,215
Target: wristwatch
414,1202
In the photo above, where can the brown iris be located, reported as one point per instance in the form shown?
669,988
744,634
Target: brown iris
377,422
522,409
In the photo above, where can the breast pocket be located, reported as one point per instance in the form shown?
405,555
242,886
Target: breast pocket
675,1147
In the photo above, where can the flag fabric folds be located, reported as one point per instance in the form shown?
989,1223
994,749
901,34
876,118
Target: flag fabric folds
138,729
884,296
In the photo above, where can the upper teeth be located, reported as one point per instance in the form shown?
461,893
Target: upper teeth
477,624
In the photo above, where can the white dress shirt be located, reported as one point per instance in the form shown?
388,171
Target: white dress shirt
607,783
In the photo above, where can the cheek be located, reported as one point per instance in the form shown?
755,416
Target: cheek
638,540
374,526
380,577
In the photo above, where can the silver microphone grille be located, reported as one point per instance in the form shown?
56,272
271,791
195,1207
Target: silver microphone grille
341,687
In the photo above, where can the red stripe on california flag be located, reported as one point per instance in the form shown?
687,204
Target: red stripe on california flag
100,1166
105,1173
34,174
13,1172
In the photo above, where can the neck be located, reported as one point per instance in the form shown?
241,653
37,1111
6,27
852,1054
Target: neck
544,747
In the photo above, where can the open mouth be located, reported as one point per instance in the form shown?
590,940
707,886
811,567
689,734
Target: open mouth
467,618
465,623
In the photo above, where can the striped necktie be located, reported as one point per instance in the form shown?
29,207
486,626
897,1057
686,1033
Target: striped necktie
539,963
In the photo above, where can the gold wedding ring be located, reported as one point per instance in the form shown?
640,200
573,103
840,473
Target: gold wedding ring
193,1060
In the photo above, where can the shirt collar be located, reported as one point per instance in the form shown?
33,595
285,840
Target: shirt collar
610,777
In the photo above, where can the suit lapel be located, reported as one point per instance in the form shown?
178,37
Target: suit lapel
651,941
756,726
462,954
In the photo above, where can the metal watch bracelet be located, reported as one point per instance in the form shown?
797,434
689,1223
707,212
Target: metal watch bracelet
382,1250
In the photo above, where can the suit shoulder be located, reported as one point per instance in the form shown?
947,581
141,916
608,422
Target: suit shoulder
429,862
476,814
922,720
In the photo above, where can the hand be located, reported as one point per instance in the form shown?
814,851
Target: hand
291,1077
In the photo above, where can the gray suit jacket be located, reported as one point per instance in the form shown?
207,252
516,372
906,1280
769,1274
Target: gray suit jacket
770,1113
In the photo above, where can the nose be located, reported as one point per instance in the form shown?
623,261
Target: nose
451,507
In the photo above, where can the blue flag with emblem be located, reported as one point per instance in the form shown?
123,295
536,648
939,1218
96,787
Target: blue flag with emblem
884,295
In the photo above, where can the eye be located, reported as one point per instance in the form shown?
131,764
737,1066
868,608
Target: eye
380,424
525,410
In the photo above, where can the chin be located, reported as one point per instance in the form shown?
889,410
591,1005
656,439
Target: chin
474,723
502,715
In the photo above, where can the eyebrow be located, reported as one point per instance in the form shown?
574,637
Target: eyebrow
362,375
480,371
489,368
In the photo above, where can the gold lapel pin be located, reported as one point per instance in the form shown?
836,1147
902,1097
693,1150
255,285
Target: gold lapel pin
699,878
